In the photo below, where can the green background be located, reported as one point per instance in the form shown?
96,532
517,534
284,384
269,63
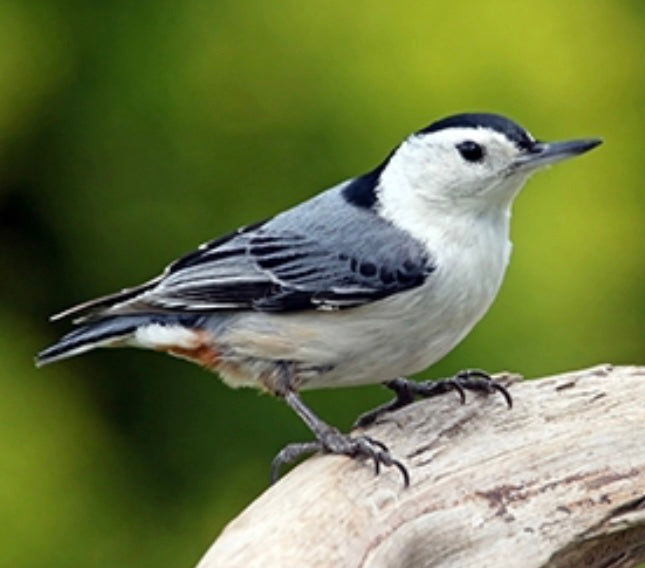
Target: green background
132,131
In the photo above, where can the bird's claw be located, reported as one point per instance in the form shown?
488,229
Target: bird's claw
407,390
479,381
333,442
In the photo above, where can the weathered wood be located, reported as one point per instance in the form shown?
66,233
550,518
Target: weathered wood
557,481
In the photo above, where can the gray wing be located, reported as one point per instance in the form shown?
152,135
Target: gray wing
269,270
293,262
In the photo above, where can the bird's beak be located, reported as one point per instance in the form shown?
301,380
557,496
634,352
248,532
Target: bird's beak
545,153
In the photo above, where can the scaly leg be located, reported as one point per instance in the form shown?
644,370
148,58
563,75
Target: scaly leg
330,441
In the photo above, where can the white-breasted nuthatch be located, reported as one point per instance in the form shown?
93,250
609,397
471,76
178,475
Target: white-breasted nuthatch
375,278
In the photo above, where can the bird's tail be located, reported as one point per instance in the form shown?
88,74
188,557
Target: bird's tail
102,333
107,332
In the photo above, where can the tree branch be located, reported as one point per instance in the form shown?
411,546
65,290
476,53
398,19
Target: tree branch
557,481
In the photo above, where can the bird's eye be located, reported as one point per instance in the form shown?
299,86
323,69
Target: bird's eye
471,151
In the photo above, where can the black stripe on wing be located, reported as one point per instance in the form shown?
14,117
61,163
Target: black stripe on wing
212,250
286,272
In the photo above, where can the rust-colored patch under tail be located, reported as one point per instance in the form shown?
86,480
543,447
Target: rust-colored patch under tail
204,355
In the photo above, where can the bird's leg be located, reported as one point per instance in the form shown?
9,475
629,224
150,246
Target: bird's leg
330,441
407,390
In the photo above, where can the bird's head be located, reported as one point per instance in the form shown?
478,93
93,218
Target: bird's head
466,163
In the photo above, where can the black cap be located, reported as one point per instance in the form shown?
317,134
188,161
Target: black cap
514,132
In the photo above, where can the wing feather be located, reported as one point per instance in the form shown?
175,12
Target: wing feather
283,272
272,270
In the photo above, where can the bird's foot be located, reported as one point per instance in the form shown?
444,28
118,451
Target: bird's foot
407,390
331,441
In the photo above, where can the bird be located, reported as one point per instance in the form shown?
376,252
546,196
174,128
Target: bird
367,282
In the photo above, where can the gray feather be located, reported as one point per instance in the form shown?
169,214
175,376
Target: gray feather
322,254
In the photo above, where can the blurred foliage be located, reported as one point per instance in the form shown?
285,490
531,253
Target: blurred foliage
131,131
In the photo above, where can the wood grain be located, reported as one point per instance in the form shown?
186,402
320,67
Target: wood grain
558,480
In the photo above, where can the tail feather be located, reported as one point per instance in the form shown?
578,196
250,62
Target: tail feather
106,332
111,331
87,337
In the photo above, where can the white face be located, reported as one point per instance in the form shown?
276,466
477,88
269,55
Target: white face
444,180
456,163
